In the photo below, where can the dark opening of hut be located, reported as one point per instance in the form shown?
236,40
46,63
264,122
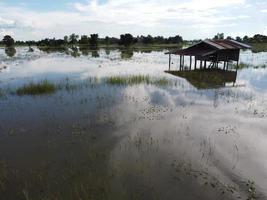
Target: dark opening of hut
209,54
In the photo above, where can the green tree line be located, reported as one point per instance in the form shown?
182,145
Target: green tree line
94,40
127,39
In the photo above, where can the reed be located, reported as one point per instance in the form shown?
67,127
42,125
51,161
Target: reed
43,87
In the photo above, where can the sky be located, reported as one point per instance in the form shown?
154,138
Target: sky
192,19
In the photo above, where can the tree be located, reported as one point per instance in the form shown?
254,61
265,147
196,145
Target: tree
8,41
175,40
147,40
126,39
238,39
84,40
66,39
107,40
94,40
245,38
219,36
73,39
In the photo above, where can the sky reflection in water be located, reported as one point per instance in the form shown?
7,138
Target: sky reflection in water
152,139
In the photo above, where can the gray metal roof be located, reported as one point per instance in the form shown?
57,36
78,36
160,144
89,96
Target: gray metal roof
211,47
227,44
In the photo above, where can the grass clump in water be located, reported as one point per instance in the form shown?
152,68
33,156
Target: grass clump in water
136,79
43,87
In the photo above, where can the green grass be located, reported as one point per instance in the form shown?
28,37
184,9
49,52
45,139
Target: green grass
259,47
43,87
245,66
135,80
46,87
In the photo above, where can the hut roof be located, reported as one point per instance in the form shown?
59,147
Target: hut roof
208,47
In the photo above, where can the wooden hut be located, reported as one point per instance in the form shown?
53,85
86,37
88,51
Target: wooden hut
209,53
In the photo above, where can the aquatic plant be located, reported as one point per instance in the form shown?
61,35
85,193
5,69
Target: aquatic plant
135,79
46,87
43,87
251,190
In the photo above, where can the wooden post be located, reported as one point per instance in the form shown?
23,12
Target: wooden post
169,62
190,62
227,65
195,62
205,64
224,65
200,64
183,62
237,65
180,62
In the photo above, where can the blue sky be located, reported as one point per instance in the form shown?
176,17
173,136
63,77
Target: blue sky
193,19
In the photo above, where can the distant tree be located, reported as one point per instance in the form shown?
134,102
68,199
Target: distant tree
66,39
147,40
94,40
20,43
229,38
159,40
30,43
238,39
84,40
175,40
246,38
259,38
73,39
126,39
107,40
8,41
219,36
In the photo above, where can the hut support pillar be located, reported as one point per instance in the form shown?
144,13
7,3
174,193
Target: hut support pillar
224,65
195,62
190,62
183,62
180,62
200,64
205,64
237,65
170,62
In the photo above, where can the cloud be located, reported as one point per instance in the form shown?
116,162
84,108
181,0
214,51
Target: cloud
192,19
4,32
6,22
150,12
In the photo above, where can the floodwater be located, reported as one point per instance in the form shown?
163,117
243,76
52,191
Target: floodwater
138,141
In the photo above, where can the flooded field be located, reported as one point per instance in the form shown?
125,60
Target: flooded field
111,124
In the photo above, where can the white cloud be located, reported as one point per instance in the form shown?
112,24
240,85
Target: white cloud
150,12
4,32
192,19
6,22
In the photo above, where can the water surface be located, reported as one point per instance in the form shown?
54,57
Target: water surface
140,141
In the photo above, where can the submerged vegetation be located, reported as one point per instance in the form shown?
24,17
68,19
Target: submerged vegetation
43,87
136,79
47,87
